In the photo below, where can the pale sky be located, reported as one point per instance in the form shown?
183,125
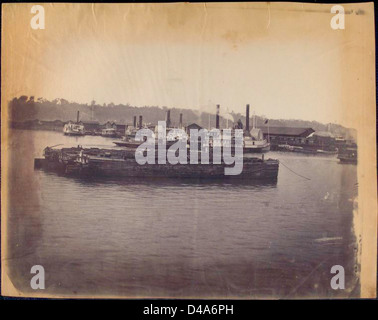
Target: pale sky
284,60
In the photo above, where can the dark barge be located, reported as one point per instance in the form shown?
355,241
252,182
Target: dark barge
348,155
121,163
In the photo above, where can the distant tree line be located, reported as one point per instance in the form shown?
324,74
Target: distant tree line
26,108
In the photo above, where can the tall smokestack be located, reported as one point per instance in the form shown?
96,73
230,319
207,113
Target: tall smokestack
180,120
217,117
134,123
247,118
78,116
168,118
140,122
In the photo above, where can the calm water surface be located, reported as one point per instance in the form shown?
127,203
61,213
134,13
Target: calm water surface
181,238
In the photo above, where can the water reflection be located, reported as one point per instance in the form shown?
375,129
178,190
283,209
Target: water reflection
132,182
181,238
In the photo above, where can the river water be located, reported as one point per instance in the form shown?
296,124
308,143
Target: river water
178,238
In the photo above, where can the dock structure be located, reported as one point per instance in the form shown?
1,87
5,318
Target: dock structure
286,135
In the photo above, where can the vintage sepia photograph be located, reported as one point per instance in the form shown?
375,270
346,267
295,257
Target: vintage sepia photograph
188,150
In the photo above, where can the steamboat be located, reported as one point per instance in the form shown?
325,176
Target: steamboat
74,129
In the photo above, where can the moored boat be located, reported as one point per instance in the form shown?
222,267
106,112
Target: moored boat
109,133
129,140
73,129
93,162
135,144
327,152
348,155
255,143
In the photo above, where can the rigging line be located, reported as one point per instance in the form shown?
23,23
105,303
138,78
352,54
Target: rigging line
293,171
60,144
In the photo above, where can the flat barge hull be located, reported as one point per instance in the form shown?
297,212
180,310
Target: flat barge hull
108,166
